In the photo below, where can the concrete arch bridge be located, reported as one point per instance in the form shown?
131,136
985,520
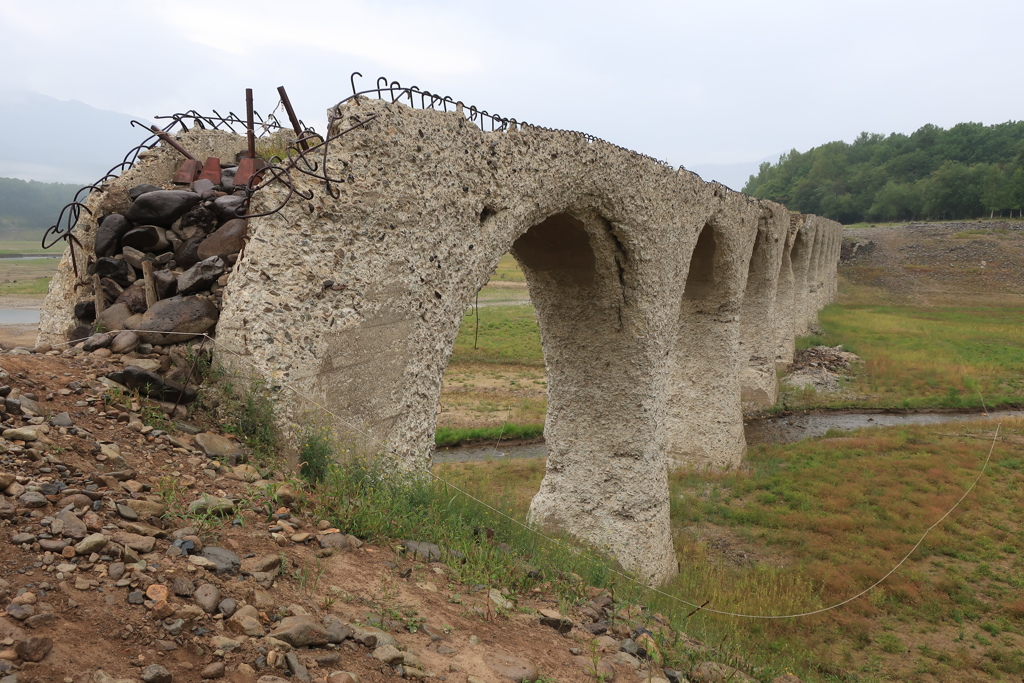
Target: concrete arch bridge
663,302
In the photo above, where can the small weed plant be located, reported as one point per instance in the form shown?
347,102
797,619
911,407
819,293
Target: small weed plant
248,411
453,436
315,453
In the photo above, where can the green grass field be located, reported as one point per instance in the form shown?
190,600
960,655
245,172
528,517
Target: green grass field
34,287
26,277
924,357
23,245
966,358
508,270
805,526
801,527
508,335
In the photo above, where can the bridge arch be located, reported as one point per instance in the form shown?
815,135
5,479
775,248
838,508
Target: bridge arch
639,277
763,304
704,422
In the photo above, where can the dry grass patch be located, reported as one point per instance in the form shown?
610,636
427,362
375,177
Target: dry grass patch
843,512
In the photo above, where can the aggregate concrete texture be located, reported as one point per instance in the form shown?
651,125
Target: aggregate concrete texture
657,295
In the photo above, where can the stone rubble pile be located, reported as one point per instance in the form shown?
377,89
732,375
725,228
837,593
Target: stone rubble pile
853,247
190,238
821,367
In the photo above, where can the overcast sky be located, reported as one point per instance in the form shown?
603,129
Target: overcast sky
692,82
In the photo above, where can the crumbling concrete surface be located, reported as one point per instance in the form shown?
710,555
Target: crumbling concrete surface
662,301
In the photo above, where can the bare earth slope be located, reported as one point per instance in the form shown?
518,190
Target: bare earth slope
949,264
109,573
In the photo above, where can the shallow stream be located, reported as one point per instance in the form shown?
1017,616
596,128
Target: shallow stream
785,429
19,316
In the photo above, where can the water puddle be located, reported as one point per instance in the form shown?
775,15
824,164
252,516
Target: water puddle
795,427
19,316
767,430
477,453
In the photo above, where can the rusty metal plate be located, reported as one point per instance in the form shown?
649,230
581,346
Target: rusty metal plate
247,168
187,172
211,170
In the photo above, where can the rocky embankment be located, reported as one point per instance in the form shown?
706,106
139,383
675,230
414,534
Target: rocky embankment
159,553
939,264
821,367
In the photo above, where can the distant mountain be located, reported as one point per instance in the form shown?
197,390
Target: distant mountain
29,207
49,140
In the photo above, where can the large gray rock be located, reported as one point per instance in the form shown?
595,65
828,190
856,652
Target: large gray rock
93,543
207,597
174,320
146,238
152,385
186,254
111,290
161,207
33,499
101,676
74,528
209,504
228,207
134,257
217,446
198,222
134,297
246,621
156,673
263,563
124,342
97,341
507,666
34,649
62,420
166,283
137,191
115,269
228,239
301,631
200,276
225,561
110,231
114,318
337,630
147,508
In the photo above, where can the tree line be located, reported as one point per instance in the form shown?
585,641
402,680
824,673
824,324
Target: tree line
968,171
29,205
